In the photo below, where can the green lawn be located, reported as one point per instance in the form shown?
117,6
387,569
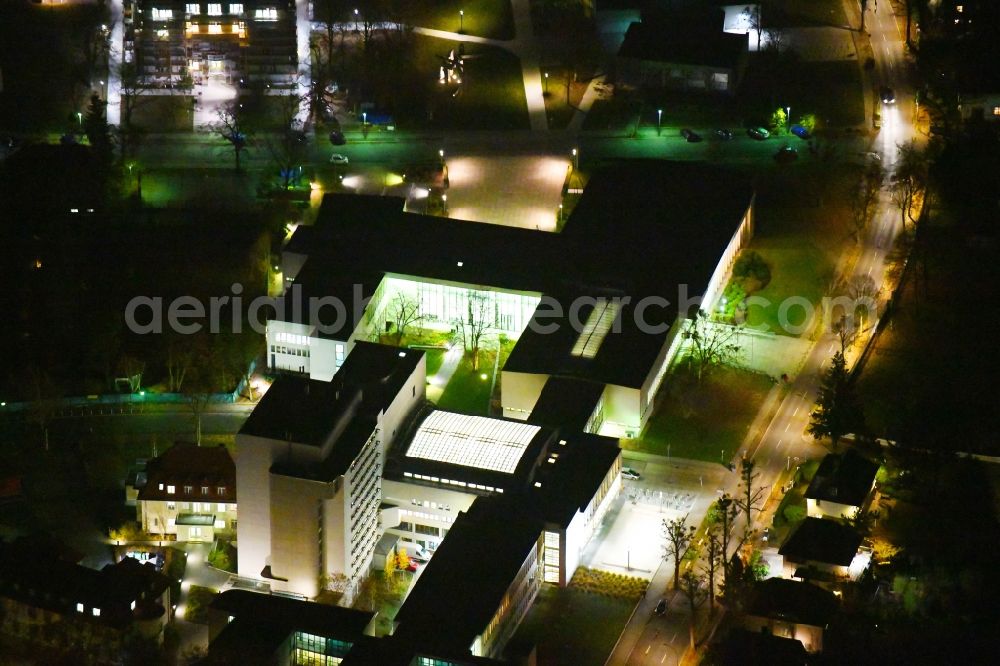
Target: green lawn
435,357
795,13
703,422
798,270
485,18
571,627
164,113
468,391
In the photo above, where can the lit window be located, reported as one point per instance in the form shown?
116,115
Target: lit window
215,28
204,490
96,612
220,524
235,7
267,14
188,490
960,9
214,9
162,34
79,608
161,486
192,8
171,490
598,325
222,506
221,490
162,14
132,605
996,110
472,441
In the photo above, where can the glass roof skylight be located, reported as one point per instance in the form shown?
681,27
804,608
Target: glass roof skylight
472,441
598,325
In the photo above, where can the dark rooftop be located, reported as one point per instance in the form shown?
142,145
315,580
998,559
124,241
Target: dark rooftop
845,478
566,403
790,600
484,551
39,577
820,540
642,227
306,411
754,648
651,40
569,483
322,619
190,465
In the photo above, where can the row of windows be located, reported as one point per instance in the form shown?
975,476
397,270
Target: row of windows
214,8
171,489
429,504
276,349
198,507
427,516
450,482
293,338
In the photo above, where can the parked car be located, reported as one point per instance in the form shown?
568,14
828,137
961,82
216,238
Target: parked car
337,138
801,132
758,133
630,473
723,134
887,95
412,567
661,607
785,155
337,158
690,135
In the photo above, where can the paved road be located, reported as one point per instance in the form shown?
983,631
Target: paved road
785,443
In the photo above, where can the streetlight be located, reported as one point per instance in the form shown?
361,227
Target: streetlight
355,20
461,20
546,91
576,159
788,118
659,117
79,119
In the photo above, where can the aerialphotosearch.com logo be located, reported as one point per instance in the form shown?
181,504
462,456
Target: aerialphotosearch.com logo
329,315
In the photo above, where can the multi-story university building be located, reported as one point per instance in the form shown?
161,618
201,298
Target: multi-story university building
234,42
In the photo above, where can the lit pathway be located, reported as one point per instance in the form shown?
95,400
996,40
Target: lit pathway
441,378
592,93
116,47
524,47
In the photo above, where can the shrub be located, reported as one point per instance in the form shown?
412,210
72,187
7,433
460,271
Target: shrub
752,272
794,513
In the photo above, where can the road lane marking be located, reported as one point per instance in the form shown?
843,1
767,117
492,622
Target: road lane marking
796,410
788,425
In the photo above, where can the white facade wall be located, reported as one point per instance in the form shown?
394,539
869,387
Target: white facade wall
159,516
520,392
827,509
421,505
409,398
253,457
295,533
622,410
720,277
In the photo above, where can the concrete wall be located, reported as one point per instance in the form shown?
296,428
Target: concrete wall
295,523
520,392
253,459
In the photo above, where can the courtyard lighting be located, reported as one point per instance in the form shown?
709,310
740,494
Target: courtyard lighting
659,118
546,91
355,20
788,118
576,159
461,20
79,119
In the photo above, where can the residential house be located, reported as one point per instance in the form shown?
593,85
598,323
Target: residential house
842,486
825,551
790,609
189,493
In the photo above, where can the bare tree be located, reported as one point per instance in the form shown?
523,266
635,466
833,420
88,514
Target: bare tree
864,197
725,514
692,587
909,180
751,496
233,128
178,361
405,312
714,558
130,369
133,94
711,343
480,321
677,536
288,147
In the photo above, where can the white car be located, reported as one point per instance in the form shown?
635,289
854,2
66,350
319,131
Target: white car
337,158
630,473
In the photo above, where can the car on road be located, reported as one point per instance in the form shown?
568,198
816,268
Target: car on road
690,135
801,132
887,95
630,473
758,133
337,158
785,155
337,138
723,134
661,607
